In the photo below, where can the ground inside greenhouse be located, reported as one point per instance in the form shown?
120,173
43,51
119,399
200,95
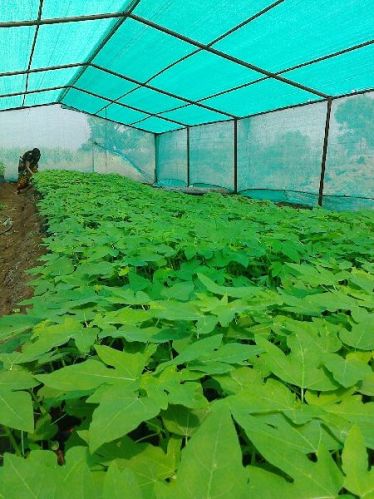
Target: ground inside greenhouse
20,245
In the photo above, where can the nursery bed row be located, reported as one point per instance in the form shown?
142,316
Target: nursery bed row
190,347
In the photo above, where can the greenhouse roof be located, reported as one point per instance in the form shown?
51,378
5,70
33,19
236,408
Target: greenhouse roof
167,64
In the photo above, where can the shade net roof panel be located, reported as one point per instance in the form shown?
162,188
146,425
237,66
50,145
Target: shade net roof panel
162,66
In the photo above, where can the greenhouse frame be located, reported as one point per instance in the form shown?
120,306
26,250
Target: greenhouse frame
186,249
268,99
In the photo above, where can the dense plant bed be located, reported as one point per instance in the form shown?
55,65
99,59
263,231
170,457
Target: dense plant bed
190,347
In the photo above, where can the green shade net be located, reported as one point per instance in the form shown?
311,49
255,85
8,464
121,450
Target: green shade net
104,84
336,76
39,98
150,100
12,84
161,66
204,74
68,43
297,31
121,114
15,46
194,115
264,96
323,46
19,11
49,79
203,21
51,8
157,125
83,101
139,52
10,102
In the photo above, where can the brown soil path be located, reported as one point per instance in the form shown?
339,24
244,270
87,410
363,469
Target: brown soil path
20,245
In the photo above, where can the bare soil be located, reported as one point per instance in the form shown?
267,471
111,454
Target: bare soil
20,245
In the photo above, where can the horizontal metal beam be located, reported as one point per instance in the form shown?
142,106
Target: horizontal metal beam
41,70
361,92
347,196
315,194
279,190
62,20
292,68
199,101
284,108
228,57
247,21
298,66
318,101
352,94
212,42
22,108
253,82
15,94
164,92
329,56
206,123
303,104
88,92
130,7
72,108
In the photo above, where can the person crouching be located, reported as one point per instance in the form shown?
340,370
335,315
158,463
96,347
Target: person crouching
27,166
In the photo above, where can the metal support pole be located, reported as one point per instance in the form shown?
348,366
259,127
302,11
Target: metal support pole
93,157
188,157
40,11
324,151
156,159
235,156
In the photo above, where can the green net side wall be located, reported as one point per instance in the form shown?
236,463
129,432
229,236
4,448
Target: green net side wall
75,141
171,159
349,179
279,154
212,155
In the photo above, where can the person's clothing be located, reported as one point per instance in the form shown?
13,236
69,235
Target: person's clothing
24,177
31,158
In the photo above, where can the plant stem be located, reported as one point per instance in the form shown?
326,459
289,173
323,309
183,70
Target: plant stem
12,440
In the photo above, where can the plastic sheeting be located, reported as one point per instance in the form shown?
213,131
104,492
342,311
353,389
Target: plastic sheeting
75,141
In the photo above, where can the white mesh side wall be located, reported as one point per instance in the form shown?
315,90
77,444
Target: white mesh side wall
349,177
212,155
75,141
172,158
280,154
